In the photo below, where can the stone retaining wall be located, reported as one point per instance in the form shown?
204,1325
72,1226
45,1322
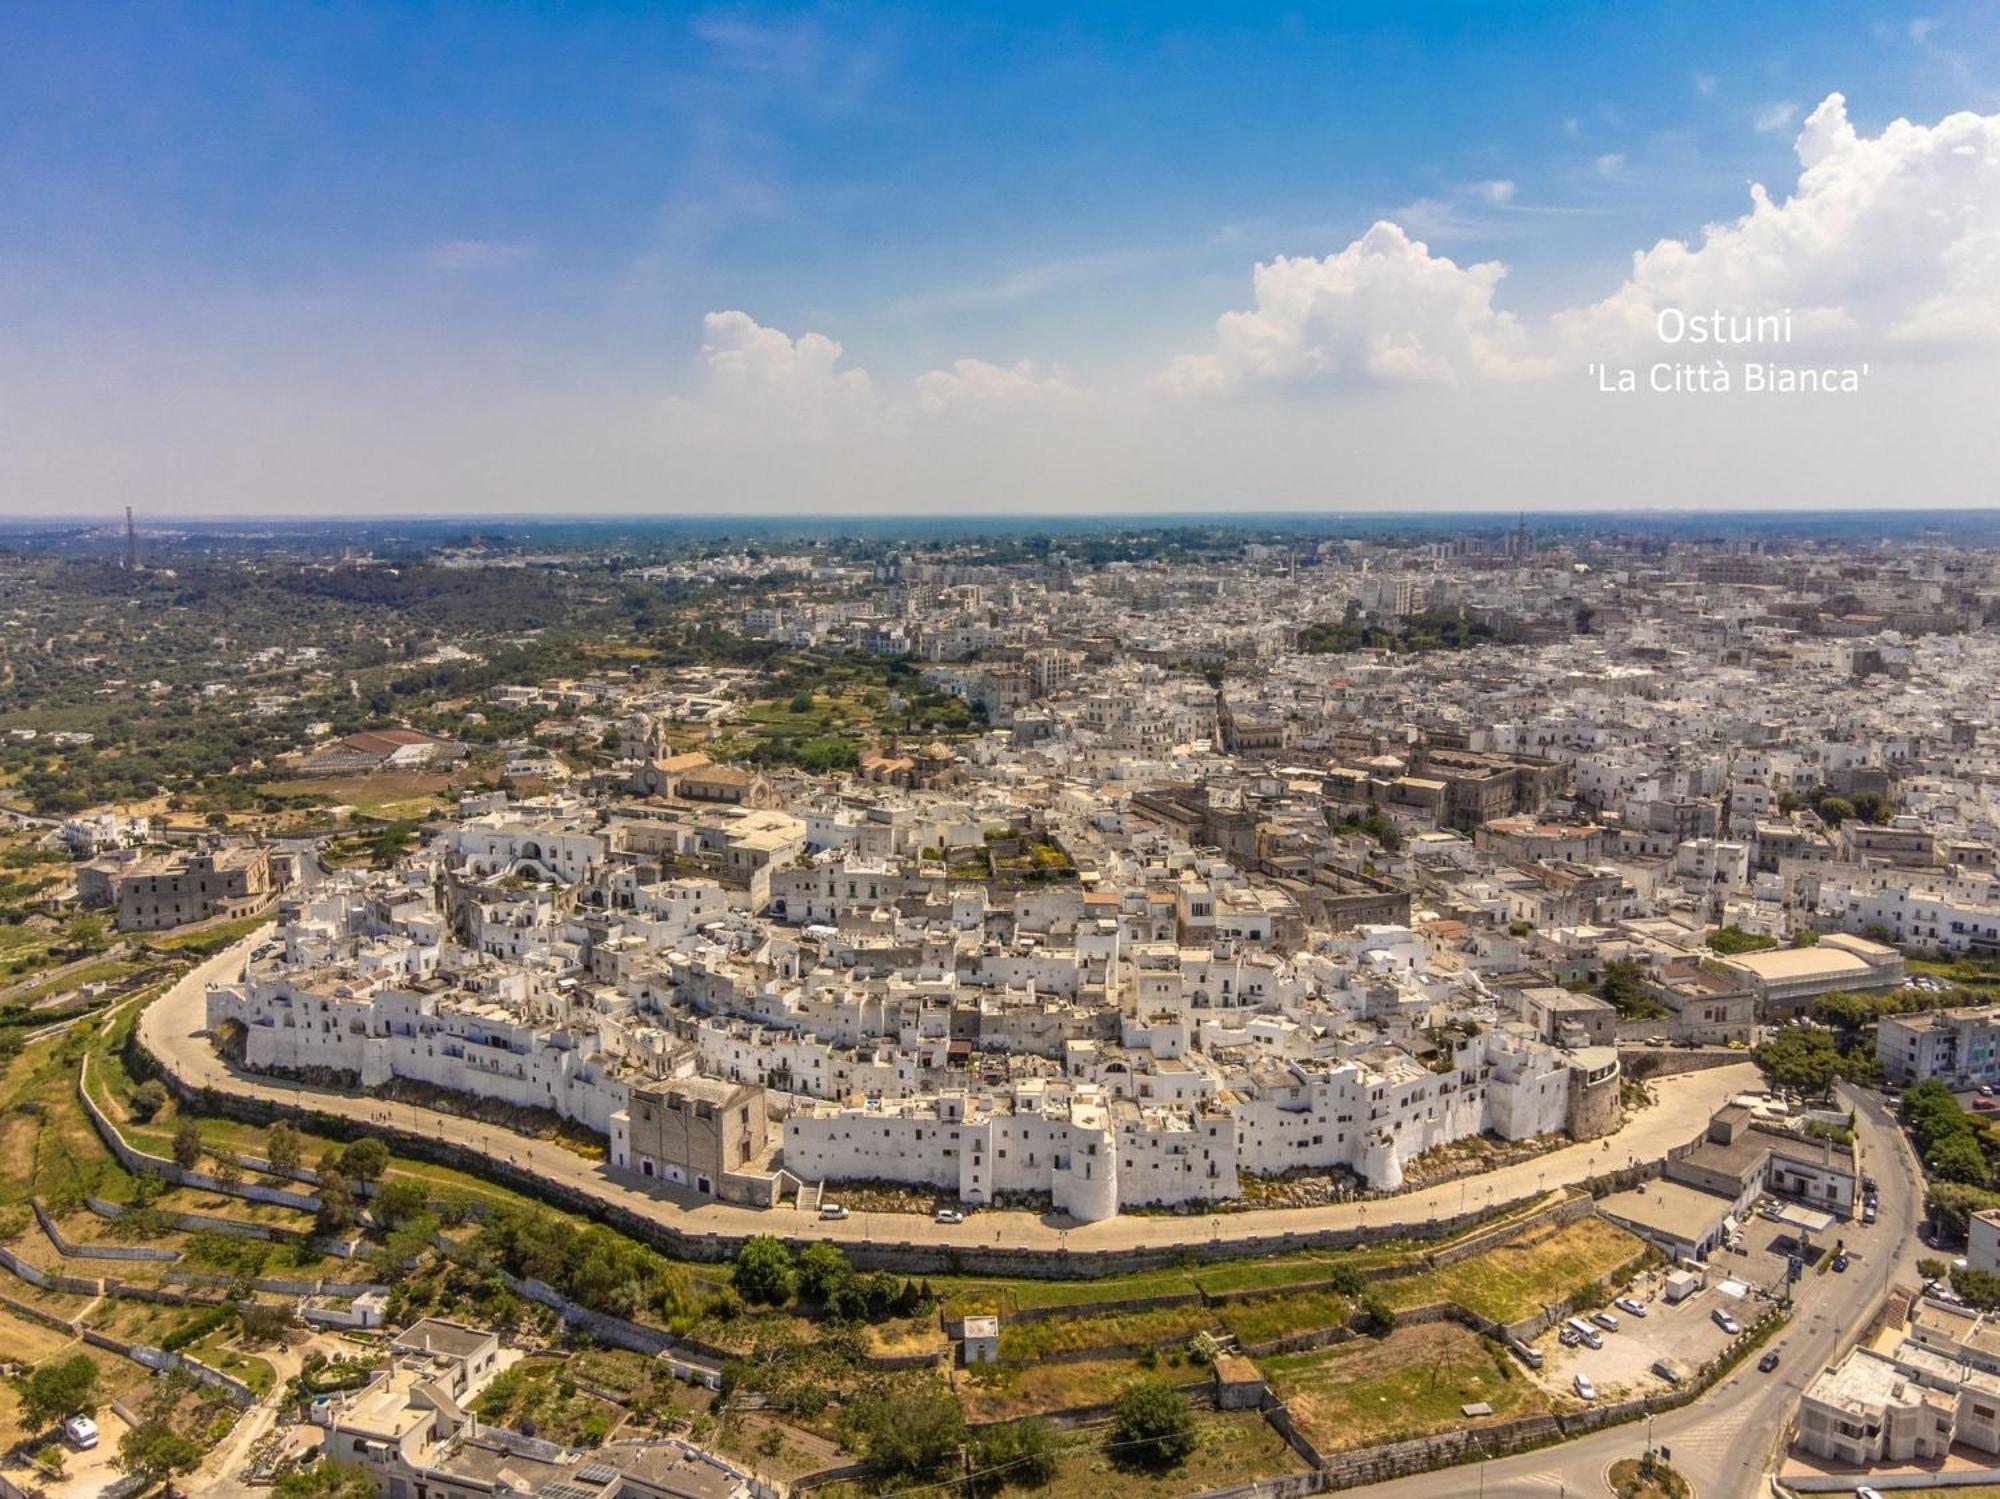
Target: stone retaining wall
139,1162
159,1359
901,1257
71,1251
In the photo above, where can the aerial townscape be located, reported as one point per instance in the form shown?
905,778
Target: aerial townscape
643,1010
897,749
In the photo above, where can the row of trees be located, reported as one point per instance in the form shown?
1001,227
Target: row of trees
766,1273
1955,1145
913,1431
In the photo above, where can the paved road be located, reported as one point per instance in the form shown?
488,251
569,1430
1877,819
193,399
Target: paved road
1726,1442
172,1029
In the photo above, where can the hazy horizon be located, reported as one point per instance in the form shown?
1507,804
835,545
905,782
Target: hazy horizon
906,260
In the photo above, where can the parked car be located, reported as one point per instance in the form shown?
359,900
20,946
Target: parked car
1568,1338
1585,1390
947,1215
1868,1212
1672,1372
1864,1492
81,1432
1726,1322
1840,1264
1768,1362
1631,1304
833,1210
1606,1320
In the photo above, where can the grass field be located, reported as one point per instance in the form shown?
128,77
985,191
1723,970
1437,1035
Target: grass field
210,939
1269,1318
1410,1384
1517,1279
388,795
1006,1393
1155,1328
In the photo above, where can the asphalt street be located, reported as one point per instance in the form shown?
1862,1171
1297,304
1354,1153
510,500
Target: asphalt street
1727,1442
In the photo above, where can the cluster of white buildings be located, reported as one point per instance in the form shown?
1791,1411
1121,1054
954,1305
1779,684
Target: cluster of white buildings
1191,902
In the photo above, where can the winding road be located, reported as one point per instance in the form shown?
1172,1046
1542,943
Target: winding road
1726,1442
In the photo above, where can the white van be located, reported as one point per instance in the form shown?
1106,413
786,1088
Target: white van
1588,1335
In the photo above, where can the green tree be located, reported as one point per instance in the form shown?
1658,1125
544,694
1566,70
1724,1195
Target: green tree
58,1389
187,1144
397,1202
148,1099
762,1272
338,1209
821,1266
281,1146
910,1428
225,1168
1980,1288
154,1451
1958,1158
365,1160
84,933
1153,1426
1834,810
1021,1453
1950,1206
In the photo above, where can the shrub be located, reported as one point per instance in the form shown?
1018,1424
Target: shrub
1153,1426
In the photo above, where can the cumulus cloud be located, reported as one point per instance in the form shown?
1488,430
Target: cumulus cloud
973,384
763,380
1894,237
1383,308
758,382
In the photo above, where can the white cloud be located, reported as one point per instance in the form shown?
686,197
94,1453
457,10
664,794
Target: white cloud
1496,191
974,384
1704,84
761,381
1383,308
1775,117
1894,238
1610,164
1887,243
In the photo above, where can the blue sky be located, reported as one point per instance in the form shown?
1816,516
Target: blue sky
363,234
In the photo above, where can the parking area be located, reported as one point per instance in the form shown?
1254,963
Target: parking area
1685,1332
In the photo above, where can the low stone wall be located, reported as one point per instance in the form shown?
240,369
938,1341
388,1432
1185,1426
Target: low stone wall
1271,1488
35,1314
901,1257
1447,1449
160,1359
71,1251
41,1279
1890,1483
1641,1063
139,1162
